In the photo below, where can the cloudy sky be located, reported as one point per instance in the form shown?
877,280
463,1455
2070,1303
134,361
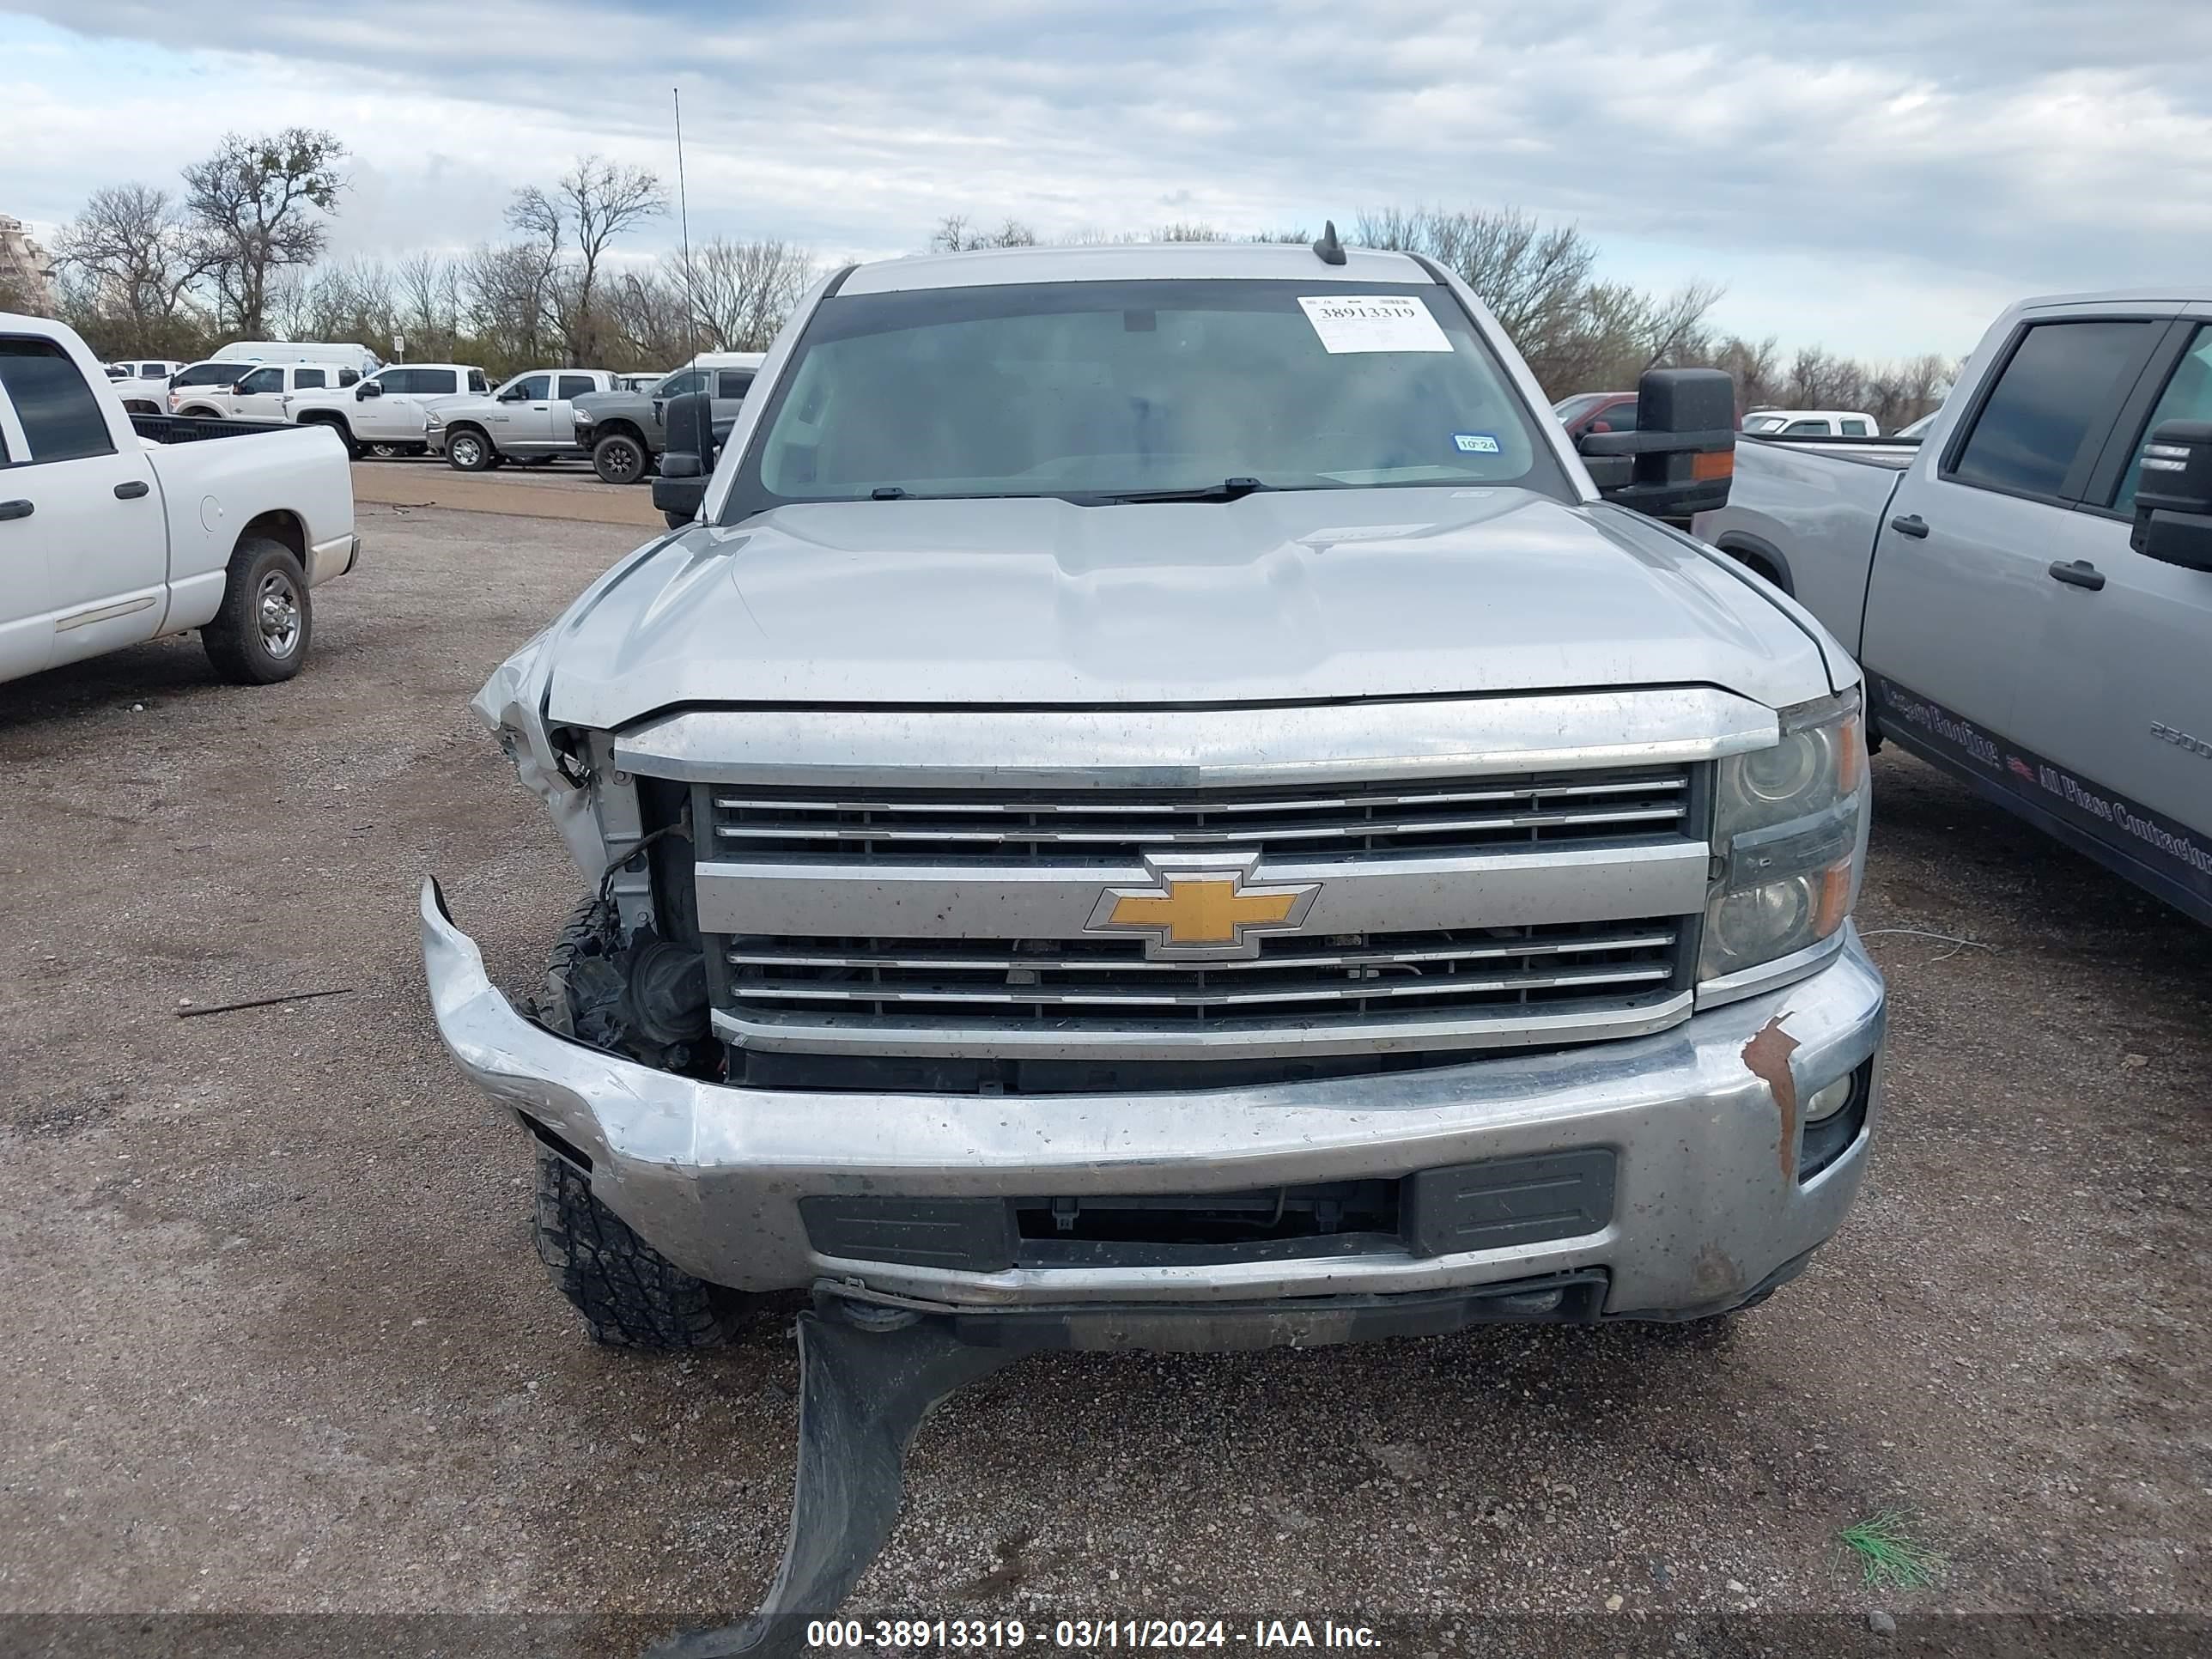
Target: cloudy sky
1878,179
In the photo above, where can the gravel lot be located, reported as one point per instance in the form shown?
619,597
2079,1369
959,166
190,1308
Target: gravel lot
280,1343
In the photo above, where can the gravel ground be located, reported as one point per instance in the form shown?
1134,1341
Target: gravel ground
280,1343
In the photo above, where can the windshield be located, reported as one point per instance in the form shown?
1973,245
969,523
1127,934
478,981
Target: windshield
1765,422
1097,391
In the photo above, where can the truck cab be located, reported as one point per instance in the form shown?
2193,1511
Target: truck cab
386,413
2018,625
529,418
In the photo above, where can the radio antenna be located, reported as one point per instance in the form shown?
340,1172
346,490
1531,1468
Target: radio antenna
683,212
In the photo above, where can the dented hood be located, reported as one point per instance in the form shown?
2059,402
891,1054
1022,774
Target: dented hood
1305,596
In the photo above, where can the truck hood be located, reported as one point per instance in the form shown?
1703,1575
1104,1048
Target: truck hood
1296,596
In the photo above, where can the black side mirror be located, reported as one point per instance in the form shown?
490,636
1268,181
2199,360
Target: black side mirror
367,389
1681,456
689,459
2173,498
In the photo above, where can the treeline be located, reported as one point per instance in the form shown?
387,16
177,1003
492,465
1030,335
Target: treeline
238,251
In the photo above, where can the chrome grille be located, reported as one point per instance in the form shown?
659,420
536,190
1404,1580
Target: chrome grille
1048,992
1096,826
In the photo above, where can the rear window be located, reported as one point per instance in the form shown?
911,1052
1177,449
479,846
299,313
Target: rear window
1094,392
734,382
309,380
62,420
576,385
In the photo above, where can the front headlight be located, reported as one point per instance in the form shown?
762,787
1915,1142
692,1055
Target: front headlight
432,418
1790,823
584,416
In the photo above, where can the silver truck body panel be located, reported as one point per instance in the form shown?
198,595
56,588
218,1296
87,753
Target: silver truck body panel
1299,597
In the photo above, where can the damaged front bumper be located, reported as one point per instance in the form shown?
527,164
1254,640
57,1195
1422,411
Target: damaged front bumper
1707,1198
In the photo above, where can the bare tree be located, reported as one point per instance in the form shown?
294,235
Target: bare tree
256,204
955,235
740,293
140,260
1531,276
429,304
574,224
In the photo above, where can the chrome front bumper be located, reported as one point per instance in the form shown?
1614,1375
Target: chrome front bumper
1707,1201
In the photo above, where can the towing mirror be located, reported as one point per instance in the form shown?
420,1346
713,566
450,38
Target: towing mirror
1682,454
2173,499
366,390
689,460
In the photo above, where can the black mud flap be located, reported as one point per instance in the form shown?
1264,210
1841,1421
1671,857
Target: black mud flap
862,1394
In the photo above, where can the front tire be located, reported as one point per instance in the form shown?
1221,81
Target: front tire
619,459
469,451
629,1294
387,452
262,633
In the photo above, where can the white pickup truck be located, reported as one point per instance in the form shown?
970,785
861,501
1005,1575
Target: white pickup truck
260,393
386,413
2030,585
116,529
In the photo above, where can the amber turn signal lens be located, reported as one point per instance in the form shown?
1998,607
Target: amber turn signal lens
1834,901
1713,464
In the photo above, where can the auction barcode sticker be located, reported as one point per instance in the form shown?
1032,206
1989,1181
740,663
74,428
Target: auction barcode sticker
1373,322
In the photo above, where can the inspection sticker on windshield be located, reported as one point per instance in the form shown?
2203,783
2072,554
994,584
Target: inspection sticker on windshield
1476,443
1373,322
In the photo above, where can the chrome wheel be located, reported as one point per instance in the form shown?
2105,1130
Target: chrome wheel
276,611
466,451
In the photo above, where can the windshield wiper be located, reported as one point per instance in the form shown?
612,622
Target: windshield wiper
1228,489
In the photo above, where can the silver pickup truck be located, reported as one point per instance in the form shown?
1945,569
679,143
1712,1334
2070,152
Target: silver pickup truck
1158,804
2030,587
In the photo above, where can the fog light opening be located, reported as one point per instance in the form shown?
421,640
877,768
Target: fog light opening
1835,1116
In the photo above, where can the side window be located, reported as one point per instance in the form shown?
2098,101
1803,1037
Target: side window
436,382
1858,428
736,382
310,380
62,420
348,376
533,385
1796,428
397,379
476,381
682,386
2059,380
577,386
263,379
2187,397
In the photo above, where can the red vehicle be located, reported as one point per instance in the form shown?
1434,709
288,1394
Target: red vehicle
1596,412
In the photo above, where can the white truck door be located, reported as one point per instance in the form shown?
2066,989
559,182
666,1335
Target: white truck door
94,513
1955,605
26,626
256,397
2120,710
390,414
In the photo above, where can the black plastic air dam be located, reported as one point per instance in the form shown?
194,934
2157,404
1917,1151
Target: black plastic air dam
869,1374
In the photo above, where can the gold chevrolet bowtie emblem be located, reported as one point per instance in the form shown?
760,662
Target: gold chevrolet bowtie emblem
1201,906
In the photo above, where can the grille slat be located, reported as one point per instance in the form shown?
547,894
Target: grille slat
995,982
932,826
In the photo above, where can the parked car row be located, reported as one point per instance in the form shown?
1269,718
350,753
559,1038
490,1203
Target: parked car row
614,420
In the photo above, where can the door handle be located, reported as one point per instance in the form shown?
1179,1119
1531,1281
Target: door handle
1909,523
16,509
2080,574
131,488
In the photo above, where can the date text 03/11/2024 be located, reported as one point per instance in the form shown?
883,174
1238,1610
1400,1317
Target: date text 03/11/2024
847,1635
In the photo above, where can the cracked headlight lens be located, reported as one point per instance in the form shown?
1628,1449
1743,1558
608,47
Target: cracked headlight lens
1789,822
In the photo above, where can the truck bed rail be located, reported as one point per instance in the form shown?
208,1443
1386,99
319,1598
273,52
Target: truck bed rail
188,429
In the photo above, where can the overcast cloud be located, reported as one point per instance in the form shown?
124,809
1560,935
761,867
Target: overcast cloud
1877,179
